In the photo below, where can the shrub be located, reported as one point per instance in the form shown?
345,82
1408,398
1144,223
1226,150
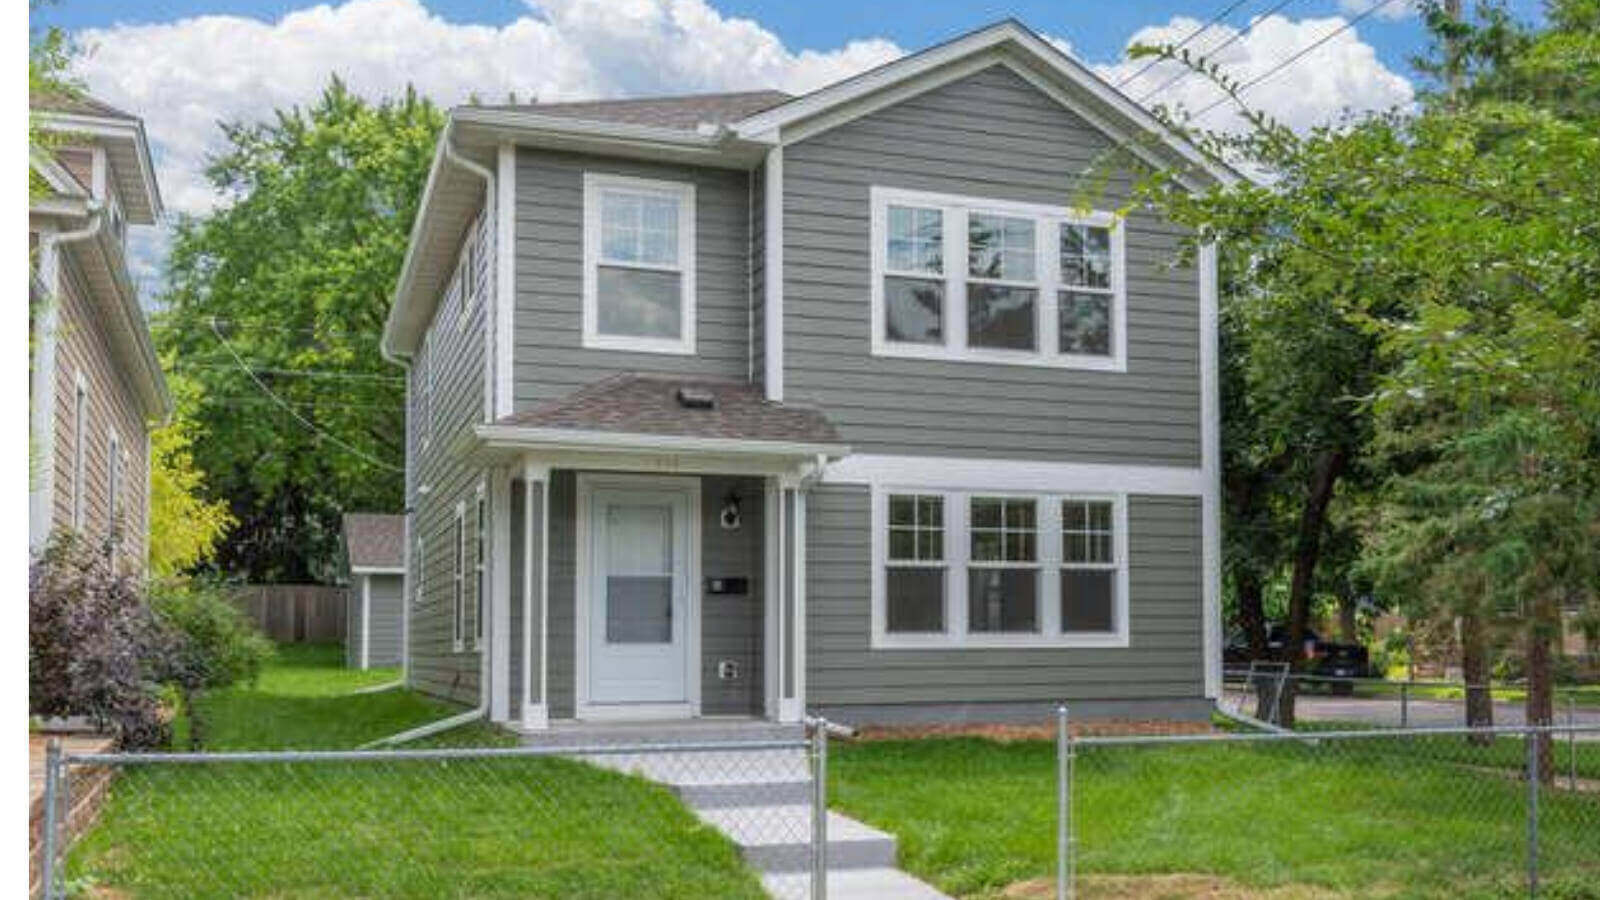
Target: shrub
219,646
94,648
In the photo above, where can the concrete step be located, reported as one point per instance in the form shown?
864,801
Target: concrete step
693,731
726,796
778,838
854,884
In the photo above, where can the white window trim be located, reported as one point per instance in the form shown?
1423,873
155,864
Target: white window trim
466,269
114,487
80,446
594,184
480,564
1048,220
958,548
458,597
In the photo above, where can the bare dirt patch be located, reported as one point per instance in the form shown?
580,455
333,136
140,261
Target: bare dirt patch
1034,731
1180,886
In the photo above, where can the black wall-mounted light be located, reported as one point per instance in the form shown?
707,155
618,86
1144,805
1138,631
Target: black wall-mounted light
730,518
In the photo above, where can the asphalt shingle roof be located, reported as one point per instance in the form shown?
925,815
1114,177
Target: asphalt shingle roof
375,540
78,104
684,113
648,404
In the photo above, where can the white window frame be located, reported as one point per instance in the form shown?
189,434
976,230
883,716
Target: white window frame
466,270
958,550
932,638
458,599
114,505
480,564
595,184
80,446
1035,565
1047,250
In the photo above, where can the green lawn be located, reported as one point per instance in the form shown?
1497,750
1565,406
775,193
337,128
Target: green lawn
1583,696
974,816
503,827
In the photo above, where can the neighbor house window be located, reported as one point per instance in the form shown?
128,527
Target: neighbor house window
914,576
968,568
114,505
1003,572
638,290
467,279
80,448
982,280
1088,566
480,547
458,600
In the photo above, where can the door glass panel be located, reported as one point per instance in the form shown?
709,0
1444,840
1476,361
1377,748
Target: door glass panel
639,609
639,574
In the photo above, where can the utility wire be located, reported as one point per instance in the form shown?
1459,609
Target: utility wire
1295,57
310,404
1237,36
1187,38
295,373
309,426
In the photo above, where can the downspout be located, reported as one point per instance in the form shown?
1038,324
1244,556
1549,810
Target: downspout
448,150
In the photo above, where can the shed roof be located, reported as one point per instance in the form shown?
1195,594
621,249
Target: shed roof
375,541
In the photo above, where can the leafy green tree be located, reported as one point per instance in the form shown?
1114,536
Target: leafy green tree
274,306
185,526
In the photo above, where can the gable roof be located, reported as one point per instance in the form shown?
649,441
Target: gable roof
375,541
123,136
686,112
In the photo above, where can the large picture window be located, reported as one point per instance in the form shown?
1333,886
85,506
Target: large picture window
638,264
1030,284
961,568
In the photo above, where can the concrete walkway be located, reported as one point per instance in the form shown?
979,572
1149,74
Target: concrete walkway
760,799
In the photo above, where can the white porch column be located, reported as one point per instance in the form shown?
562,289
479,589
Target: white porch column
535,588
499,610
787,572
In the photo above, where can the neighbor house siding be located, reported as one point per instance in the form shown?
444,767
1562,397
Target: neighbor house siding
84,351
993,136
550,360
444,476
1163,660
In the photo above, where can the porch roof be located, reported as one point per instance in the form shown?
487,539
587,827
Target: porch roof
647,413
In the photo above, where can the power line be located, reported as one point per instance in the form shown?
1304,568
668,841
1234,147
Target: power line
1292,59
1237,36
308,404
247,325
348,448
1187,38
296,373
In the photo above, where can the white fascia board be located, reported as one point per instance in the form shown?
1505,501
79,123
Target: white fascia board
56,175
131,130
1211,469
1014,474
408,268
378,570
529,438
926,66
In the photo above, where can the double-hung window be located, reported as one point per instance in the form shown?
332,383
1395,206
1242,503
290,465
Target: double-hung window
80,448
639,278
114,505
968,568
480,588
978,280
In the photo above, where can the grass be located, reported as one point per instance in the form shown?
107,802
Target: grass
522,827
1585,696
974,816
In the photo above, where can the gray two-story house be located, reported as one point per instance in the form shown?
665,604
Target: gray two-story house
756,405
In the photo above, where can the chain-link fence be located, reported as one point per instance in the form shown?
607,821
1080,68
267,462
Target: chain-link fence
725,819
1416,812
1322,700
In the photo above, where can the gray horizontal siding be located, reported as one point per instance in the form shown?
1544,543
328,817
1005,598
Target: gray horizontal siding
563,587
1163,659
989,135
731,624
447,416
550,360
383,647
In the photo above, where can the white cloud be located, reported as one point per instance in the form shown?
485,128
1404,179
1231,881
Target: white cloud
1341,75
1393,11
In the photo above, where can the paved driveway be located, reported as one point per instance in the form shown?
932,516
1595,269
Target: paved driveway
1385,712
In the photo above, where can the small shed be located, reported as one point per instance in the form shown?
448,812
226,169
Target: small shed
374,552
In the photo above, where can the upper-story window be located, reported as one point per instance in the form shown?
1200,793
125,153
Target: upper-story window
976,280
638,278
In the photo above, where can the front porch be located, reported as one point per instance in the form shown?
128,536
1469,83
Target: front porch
646,578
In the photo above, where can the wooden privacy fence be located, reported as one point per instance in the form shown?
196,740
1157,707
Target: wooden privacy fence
295,613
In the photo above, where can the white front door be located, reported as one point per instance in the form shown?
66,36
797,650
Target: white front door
639,604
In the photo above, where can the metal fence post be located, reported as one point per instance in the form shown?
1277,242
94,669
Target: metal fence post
1405,704
1533,812
819,809
1063,805
47,841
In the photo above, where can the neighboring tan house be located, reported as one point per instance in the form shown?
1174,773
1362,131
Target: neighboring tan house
749,404
375,568
96,387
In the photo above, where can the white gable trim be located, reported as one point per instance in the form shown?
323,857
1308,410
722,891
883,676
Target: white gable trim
898,81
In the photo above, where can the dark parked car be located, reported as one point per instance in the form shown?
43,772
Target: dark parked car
1329,659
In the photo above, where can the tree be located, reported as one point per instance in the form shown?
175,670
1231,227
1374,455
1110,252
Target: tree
1421,284
185,527
274,307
